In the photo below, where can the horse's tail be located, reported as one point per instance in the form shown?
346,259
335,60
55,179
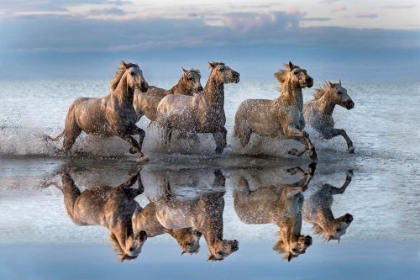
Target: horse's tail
47,137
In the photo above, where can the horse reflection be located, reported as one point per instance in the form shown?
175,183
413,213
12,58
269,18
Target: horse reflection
280,205
110,207
204,213
317,211
188,238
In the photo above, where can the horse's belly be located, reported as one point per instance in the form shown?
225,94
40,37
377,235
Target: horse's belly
173,219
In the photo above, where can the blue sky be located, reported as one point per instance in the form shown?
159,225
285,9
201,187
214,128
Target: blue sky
75,38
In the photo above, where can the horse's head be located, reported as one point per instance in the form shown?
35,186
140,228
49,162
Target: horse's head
294,247
189,240
294,76
130,248
338,227
223,73
339,96
191,81
222,249
133,76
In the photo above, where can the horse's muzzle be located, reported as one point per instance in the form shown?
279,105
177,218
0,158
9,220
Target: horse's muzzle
349,105
200,88
144,86
236,77
309,82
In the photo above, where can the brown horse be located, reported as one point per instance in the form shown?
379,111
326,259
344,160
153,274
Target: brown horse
202,113
278,118
317,211
146,103
318,112
111,115
280,205
111,207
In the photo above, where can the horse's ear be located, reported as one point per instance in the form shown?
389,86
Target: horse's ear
212,64
185,71
290,66
212,258
330,84
339,82
289,258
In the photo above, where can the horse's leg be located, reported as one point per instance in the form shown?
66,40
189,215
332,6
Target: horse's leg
292,132
243,132
135,130
341,190
302,185
220,139
71,192
126,186
70,135
336,132
135,145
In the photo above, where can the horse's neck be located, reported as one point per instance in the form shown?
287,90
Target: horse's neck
325,106
122,231
180,88
292,96
214,92
289,227
123,92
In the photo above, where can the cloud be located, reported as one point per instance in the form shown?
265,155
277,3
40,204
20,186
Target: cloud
338,9
316,19
397,7
367,15
245,23
111,11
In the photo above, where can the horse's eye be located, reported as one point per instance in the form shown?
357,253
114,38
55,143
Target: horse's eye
220,253
296,73
222,69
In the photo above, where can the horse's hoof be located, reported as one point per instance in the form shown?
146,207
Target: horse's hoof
349,173
311,168
292,171
133,150
293,152
313,156
219,150
350,150
143,159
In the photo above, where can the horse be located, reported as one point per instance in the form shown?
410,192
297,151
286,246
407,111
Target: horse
203,213
278,118
111,115
146,103
317,211
318,112
111,207
202,113
280,205
188,238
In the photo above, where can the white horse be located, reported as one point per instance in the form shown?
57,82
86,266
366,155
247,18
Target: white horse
146,103
111,115
281,117
202,113
318,112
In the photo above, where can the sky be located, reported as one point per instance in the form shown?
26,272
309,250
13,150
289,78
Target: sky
87,38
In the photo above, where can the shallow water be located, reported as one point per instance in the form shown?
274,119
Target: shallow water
383,196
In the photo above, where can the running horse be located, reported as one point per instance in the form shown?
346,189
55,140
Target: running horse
111,115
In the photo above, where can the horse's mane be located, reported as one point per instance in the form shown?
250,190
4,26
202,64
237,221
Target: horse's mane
194,70
214,64
283,74
117,247
121,70
319,231
319,92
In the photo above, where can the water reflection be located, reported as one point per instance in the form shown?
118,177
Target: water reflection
278,204
110,207
202,212
317,211
189,203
